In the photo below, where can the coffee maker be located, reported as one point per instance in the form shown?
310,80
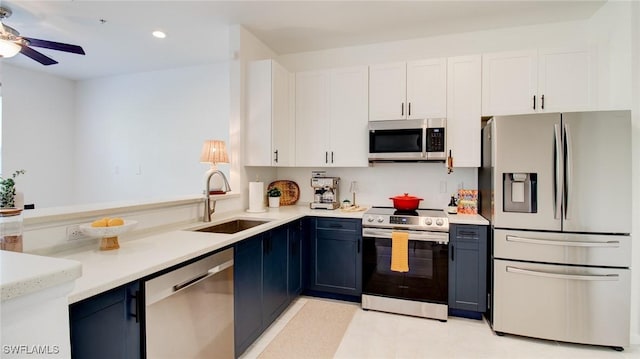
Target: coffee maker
326,194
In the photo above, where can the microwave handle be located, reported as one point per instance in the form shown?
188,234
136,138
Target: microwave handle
424,142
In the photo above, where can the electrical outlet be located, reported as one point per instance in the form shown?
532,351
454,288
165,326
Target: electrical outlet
74,233
443,186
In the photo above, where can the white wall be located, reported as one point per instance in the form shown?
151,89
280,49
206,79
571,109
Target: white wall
38,116
139,136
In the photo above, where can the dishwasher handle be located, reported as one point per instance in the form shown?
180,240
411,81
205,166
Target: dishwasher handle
199,278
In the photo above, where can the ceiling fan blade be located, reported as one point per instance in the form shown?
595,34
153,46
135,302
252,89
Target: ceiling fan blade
35,55
55,45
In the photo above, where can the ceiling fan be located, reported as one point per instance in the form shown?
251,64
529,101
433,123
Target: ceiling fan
11,43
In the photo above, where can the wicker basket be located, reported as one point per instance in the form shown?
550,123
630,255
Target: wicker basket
289,189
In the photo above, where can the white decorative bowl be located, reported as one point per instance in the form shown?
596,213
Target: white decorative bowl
109,234
107,231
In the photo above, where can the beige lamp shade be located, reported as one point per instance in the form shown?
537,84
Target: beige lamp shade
214,151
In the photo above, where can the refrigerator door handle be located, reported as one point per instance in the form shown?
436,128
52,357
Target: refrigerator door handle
553,242
557,169
568,168
601,277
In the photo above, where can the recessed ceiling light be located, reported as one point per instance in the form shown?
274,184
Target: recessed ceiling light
159,34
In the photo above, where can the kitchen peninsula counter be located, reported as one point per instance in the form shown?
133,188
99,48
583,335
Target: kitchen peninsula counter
146,253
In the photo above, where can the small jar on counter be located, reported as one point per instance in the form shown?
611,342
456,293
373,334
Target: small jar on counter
11,229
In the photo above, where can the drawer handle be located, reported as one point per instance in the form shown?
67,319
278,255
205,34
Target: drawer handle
596,277
552,242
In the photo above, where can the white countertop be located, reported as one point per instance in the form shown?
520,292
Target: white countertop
23,273
467,219
147,254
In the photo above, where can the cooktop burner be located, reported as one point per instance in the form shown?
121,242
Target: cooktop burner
420,219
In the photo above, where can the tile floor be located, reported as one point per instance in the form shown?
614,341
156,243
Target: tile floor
381,335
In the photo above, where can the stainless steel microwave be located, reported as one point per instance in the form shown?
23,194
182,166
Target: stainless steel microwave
408,140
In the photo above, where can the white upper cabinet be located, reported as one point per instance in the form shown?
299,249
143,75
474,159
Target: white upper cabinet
348,108
566,79
270,127
509,82
331,117
408,90
312,118
533,81
464,75
427,89
387,91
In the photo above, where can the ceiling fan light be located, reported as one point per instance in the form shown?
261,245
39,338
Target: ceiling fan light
8,48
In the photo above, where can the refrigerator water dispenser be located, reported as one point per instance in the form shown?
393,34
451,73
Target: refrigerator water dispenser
520,193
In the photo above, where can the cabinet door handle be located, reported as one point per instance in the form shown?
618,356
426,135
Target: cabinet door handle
542,105
534,102
137,304
276,159
409,109
326,156
331,156
453,249
402,110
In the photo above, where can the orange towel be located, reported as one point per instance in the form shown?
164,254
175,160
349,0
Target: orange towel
400,251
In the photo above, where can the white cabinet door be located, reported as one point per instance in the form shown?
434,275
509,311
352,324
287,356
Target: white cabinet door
464,110
427,89
348,114
269,120
312,118
387,90
566,79
546,80
282,124
509,83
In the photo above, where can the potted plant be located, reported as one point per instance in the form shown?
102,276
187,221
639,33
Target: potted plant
274,197
8,190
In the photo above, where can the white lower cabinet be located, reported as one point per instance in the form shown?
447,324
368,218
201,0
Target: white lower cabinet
331,117
464,110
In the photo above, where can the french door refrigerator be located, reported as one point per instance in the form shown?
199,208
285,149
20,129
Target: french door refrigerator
557,188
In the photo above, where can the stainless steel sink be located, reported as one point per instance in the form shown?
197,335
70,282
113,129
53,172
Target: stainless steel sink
233,226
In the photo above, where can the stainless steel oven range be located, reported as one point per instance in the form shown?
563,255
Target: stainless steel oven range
422,290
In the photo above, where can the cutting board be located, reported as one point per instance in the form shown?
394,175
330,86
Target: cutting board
290,191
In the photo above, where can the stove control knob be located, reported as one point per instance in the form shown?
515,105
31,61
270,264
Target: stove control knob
380,219
428,221
439,222
369,219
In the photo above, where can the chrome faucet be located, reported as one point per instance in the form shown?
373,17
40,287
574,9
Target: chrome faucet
210,208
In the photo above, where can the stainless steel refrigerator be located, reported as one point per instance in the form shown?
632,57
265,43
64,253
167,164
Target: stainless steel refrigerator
557,189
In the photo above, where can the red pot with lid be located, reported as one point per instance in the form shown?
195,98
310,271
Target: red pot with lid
405,202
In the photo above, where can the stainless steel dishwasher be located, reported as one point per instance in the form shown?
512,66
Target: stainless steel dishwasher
189,311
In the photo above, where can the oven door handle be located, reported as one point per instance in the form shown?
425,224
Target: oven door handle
413,235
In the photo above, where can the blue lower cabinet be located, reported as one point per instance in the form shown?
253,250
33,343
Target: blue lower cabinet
275,297
296,255
247,282
261,284
336,256
468,270
107,325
